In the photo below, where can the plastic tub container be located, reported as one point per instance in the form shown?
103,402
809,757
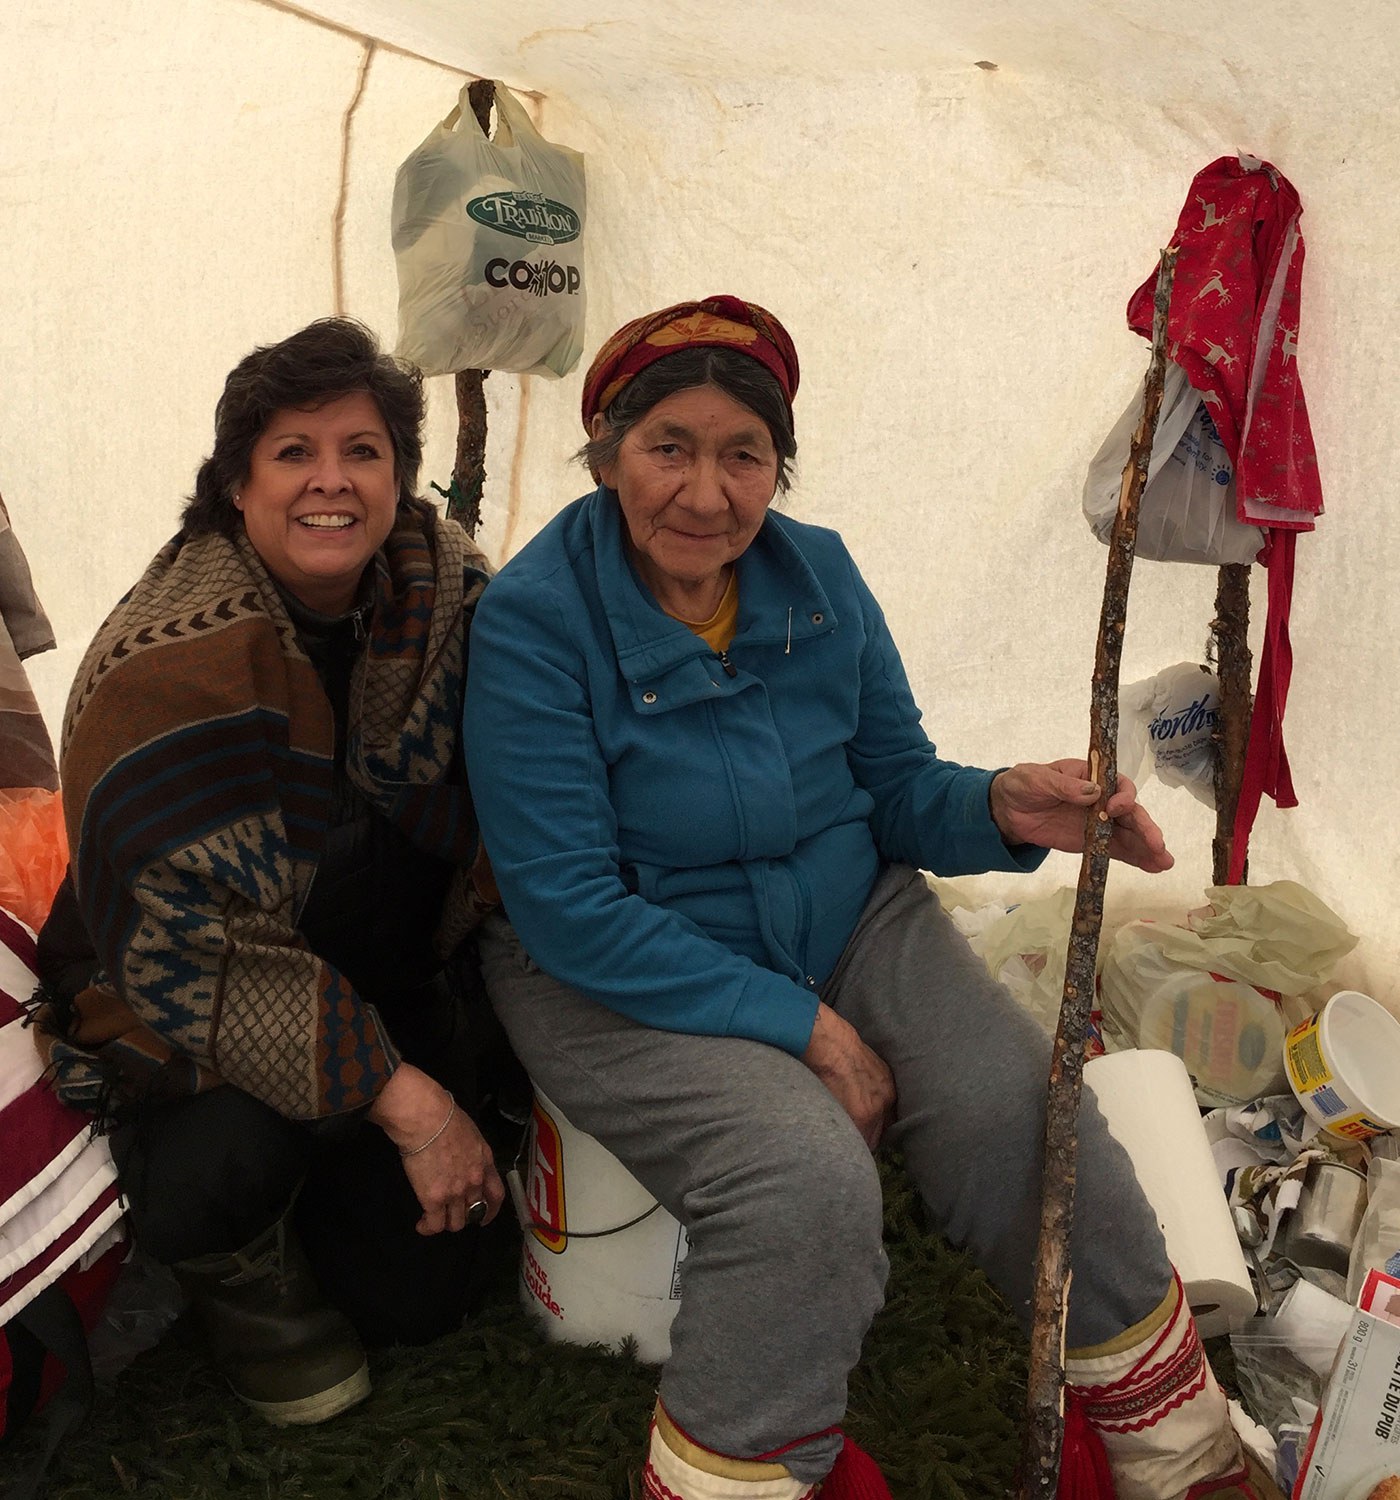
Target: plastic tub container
601,1259
1344,1065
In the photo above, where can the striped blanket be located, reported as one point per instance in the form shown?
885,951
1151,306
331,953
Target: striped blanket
58,1187
197,770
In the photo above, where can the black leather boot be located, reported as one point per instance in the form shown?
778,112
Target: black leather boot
280,1347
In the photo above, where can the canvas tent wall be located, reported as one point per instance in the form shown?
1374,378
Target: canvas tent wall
952,245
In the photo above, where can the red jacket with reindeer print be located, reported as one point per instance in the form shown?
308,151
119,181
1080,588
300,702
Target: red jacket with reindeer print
1234,330
1233,324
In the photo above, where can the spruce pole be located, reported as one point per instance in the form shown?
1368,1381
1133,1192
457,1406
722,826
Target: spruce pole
1230,647
469,466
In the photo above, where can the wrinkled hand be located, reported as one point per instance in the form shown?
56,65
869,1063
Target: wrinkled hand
1046,804
454,1172
860,1080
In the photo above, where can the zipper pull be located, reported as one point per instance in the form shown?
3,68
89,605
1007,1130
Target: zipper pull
357,624
730,670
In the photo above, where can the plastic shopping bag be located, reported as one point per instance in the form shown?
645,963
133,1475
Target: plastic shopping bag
1165,725
1216,993
488,240
1026,951
1278,935
1377,1245
1024,948
1188,507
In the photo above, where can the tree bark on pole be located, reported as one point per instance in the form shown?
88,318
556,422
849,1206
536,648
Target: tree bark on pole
1044,1433
469,466
1230,647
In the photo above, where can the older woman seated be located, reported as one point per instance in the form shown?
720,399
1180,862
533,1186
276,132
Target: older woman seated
707,796
269,820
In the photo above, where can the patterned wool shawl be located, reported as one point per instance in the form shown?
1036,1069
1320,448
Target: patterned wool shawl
198,756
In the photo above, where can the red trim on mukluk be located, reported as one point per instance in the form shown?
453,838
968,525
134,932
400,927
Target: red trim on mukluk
1144,1396
652,1486
775,1455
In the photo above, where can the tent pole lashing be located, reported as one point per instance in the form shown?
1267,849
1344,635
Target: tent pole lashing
1229,635
1044,1432
469,466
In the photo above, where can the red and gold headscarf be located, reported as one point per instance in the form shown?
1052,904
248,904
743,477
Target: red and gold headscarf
718,322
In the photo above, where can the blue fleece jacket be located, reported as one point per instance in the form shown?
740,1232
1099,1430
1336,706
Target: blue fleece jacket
688,847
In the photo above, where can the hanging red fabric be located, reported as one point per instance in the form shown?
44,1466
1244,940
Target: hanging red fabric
1266,761
1084,1472
1234,324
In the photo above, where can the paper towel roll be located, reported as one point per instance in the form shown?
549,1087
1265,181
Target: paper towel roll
1150,1107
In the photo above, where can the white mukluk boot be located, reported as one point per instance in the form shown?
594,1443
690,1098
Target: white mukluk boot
679,1468
1151,1398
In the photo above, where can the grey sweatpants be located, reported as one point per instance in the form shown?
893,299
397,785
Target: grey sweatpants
749,1150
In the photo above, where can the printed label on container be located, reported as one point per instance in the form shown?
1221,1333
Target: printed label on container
678,1263
536,1280
1329,1102
1303,1054
1355,1128
544,1187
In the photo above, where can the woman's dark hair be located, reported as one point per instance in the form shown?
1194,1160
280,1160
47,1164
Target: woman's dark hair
740,377
330,358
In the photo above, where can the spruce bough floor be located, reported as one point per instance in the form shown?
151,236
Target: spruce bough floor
494,1413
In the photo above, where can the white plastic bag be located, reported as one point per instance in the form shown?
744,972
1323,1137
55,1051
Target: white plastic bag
1216,993
488,240
1377,1246
1165,725
1025,949
1160,988
1187,512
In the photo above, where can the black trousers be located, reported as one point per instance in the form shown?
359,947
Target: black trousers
208,1174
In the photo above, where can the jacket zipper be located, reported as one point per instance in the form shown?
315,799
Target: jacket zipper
730,670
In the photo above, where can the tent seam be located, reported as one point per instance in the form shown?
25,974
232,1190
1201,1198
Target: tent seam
341,30
517,463
342,196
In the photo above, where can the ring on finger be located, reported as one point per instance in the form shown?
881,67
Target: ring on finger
476,1212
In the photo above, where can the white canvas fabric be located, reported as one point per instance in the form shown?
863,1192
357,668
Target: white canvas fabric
947,204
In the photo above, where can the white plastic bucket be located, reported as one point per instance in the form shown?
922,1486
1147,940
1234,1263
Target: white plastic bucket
601,1259
1344,1066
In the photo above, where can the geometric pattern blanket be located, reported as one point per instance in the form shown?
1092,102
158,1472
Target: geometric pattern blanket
197,760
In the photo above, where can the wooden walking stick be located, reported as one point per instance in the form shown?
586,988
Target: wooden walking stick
1040,1454
1229,632
469,467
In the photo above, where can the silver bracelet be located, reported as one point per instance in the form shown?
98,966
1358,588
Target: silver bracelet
414,1150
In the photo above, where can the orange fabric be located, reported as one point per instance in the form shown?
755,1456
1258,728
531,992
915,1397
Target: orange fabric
33,853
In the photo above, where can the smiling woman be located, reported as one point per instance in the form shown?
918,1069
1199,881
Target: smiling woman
269,820
320,497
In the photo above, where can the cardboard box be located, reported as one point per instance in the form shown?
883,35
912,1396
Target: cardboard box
1355,1442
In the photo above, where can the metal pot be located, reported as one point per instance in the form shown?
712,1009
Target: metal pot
1323,1227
